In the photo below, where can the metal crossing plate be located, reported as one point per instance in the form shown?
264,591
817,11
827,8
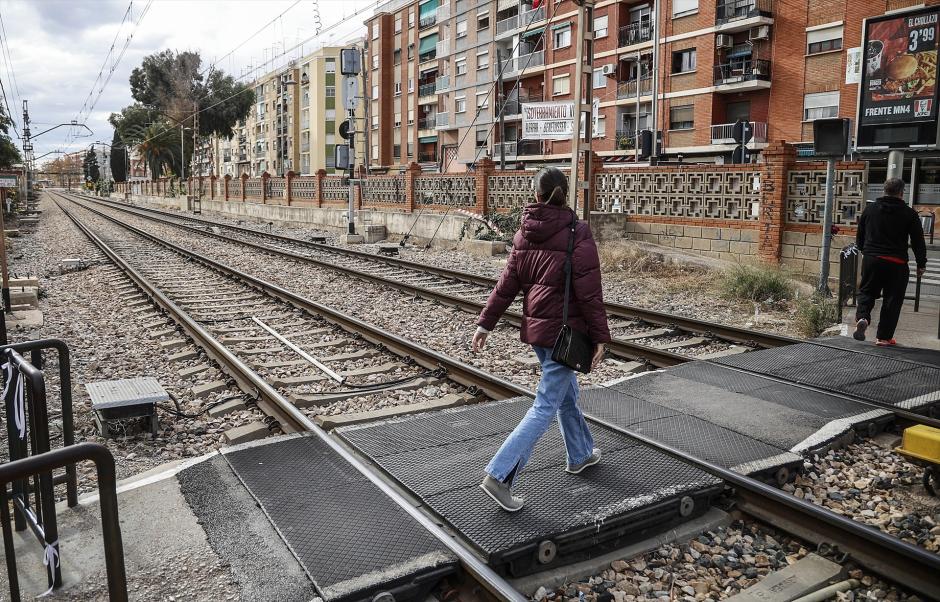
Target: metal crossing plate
125,392
351,539
929,357
440,458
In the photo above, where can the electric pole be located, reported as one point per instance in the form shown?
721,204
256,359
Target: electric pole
583,106
501,104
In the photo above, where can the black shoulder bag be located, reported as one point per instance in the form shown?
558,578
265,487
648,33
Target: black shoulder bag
572,348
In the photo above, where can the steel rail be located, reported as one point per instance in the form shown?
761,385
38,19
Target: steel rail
495,583
660,358
890,557
652,316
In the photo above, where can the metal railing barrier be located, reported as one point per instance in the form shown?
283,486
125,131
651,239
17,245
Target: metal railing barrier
927,222
848,277
43,464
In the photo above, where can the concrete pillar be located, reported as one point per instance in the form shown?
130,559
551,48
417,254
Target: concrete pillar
244,177
225,181
778,158
265,176
288,182
321,175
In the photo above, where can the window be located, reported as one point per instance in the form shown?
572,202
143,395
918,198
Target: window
681,8
375,152
398,120
461,28
820,105
411,84
397,88
483,100
411,117
330,66
824,40
460,66
563,36
483,19
398,25
460,106
683,61
411,18
599,79
330,115
375,122
411,149
481,137
331,91
600,27
375,92
601,130
375,31
483,61
411,51
396,57
561,85
375,61
682,118
396,151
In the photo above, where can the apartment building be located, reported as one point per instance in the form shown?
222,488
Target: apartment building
294,123
432,67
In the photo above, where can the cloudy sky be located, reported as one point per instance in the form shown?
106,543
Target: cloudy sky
57,48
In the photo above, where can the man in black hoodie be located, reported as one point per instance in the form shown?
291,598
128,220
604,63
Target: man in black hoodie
883,232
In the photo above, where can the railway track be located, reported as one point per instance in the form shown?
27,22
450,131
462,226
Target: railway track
238,298
643,335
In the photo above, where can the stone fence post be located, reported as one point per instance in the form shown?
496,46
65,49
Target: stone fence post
265,176
778,157
244,178
321,175
484,169
225,181
411,173
288,194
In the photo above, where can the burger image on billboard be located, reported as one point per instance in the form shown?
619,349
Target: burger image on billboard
902,68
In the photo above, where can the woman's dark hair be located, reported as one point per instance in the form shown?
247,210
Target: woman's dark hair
552,186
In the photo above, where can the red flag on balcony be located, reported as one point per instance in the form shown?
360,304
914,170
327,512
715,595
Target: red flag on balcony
536,4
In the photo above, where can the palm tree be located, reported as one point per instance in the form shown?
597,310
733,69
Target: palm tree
159,145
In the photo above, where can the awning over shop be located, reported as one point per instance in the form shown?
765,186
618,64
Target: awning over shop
427,44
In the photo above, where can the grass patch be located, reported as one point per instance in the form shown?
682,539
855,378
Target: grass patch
630,259
814,314
761,284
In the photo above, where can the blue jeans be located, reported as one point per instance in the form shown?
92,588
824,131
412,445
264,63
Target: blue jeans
557,395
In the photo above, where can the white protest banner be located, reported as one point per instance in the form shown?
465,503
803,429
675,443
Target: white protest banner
552,120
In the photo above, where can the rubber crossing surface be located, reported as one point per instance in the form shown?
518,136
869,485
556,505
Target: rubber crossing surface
440,458
351,539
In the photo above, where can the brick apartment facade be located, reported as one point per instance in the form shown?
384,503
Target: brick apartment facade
779,64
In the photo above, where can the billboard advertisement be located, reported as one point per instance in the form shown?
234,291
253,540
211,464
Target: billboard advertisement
899,68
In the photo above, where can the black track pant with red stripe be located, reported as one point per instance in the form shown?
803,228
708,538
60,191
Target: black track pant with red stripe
882,278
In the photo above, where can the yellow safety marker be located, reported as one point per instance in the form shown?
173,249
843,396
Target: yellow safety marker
921,444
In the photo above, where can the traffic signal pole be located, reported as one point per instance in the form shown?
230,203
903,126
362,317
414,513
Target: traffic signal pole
583,105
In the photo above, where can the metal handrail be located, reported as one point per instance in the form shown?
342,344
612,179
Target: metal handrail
635,33
732,10
45,463
742,70
628,89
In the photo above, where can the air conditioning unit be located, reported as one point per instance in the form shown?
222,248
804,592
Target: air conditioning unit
761,32
724,41
610,69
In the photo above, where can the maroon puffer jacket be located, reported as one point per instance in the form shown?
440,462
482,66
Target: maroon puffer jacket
537,266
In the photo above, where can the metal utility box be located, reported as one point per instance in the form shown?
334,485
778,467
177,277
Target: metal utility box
124,399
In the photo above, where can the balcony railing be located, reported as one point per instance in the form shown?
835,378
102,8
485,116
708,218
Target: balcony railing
732,10
430,55
427,156
442,120
629,89
427,88
259,152
743,70
443,12
723,133
525,61
242,158
443,48
635,33
427,123
429,21
512,149
514,104
507,24
528,17
304,147
442,83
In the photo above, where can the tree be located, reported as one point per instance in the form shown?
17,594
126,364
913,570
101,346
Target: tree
131,117
91,169
159,145
9,154
119,158
169,83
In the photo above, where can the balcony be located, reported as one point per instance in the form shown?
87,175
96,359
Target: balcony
442,84
442,120
728,11
635,33
443,48
259,152
427,156
722,133
529,17
430,55
428,123
243,158
443,12
425,22
427,88
630,88
742,75
304,147
507,25
523,62
513,104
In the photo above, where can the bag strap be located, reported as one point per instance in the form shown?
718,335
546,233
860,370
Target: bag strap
574,224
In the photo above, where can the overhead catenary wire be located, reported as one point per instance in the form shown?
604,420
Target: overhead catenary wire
8,63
